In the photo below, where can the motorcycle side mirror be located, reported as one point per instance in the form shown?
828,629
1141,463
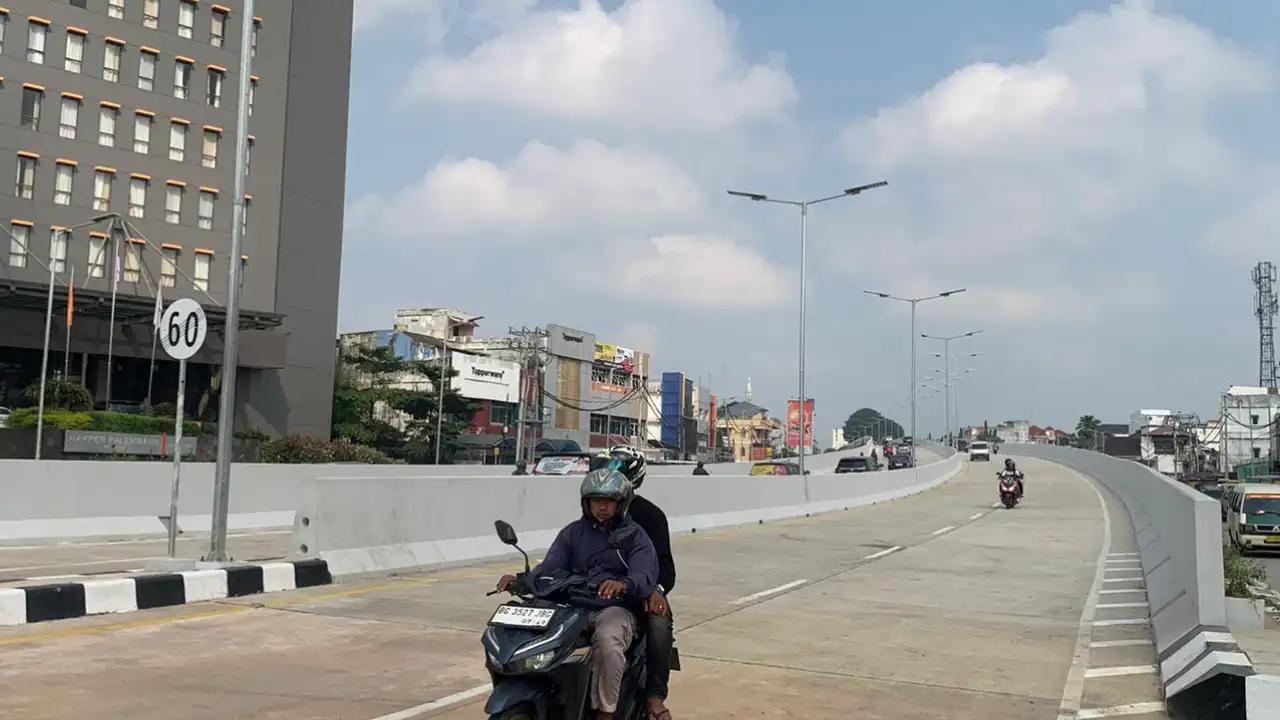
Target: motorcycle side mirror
624,537
507,535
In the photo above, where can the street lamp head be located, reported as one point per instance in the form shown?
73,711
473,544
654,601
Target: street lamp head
863,188
750,196
971,334
949,293
877,294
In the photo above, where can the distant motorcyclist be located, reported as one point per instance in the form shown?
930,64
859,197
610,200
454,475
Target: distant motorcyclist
700,470
1011,468
522,468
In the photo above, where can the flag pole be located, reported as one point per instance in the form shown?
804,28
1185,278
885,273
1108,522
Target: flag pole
155,336
115,285
44,362
71,309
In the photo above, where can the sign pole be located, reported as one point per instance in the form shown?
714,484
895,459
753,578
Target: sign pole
179,421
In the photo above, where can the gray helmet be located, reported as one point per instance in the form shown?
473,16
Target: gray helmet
607,483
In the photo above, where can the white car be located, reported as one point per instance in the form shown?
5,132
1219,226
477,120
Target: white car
980,450
5,414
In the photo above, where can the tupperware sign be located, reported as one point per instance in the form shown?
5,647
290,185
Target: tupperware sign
486,378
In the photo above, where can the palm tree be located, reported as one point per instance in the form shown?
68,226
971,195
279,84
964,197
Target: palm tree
1087,429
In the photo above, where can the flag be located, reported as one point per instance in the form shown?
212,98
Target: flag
71,296
159,311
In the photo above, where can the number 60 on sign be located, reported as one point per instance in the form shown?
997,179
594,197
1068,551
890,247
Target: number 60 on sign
183,328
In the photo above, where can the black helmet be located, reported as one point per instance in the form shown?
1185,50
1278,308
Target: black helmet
606,483
626,461
1008,463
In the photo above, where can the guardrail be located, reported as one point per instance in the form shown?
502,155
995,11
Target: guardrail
1180,544
369,524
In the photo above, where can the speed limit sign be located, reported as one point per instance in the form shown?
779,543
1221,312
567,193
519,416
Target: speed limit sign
183,328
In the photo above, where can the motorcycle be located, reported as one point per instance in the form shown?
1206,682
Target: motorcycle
537,648
1010,492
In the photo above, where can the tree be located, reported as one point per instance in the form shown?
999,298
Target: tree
379,401
59,394
866,421
1087,429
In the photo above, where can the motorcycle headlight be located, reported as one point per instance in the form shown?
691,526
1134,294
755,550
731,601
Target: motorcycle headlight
534,663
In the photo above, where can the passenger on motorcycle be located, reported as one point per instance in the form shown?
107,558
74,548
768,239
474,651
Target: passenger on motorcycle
626,578
1011,467
657,617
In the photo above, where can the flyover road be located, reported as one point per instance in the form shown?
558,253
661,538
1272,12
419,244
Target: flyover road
935,606
69,561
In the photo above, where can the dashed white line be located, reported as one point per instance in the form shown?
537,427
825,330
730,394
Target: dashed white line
946,529
1142,708
1120,671
882,553
418,711
762,593
1124,561
1073,688
1123,591
1122,555
1131,578
1120,643
1126,621
1118,606
975,516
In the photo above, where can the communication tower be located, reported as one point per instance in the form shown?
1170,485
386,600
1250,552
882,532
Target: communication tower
1265,307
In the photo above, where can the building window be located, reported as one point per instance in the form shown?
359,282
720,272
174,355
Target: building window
147,71
132,262
218,28
186,18
64,175
137,197
205,212
177,141
181,79
598,423
107,126
213,93
37,34
499,413
19,238
97,255
58,249
253,94
102,190
151,13
115,9
244,215
209,155
142,134
173,204
253,41
112,58
4,24
75,52
204,265
25,185
82,4
32,103
169,267
248,154
69,118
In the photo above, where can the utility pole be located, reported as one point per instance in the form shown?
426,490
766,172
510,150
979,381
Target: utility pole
529,344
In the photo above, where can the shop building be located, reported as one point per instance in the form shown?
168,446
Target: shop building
594,392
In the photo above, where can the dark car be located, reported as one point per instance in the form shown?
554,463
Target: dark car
857,464
902,458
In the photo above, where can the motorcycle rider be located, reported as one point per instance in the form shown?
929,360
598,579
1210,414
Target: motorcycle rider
626,578
658,616
1011,467
700,470
522,468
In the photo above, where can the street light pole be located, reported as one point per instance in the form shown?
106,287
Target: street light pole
914,302
946,365
803,205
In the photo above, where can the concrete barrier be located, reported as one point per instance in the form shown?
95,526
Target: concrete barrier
362,524
1180,542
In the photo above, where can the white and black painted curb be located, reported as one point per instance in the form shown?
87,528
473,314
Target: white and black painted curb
42,603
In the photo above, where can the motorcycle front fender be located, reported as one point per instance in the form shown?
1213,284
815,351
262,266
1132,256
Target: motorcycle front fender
510,692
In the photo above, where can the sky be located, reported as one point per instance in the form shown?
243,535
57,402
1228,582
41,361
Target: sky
1100,177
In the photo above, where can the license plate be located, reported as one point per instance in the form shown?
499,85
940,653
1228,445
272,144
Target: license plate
1272,541
521,616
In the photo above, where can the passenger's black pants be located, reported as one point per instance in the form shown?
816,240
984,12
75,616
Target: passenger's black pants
658,660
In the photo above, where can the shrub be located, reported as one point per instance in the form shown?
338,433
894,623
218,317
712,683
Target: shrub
101,422
1240,572
59,394
298,449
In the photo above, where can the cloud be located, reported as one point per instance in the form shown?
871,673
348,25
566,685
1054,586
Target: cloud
435,15
587,189
1008,173
648,64
704,271
1249,234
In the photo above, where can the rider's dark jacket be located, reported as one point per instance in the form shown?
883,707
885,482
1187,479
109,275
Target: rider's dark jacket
582,548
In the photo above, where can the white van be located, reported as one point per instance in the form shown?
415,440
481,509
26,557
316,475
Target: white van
980,450
1253,517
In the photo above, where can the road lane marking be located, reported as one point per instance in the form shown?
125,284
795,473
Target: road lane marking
87,563
1124,591
770,591
882,553
946,529
1123,555
1118,606
1142,708
135,541
1119,671
457,698
1126,621
1124,561
1120,643
975,516
1073,688
1126,578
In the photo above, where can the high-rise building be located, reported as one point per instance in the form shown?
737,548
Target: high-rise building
129,107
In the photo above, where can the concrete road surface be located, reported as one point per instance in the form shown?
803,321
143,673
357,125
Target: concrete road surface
937,606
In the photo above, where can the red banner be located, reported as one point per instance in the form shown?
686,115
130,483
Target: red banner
793,424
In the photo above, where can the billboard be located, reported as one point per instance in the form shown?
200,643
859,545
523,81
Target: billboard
611,354
486,378
793,424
